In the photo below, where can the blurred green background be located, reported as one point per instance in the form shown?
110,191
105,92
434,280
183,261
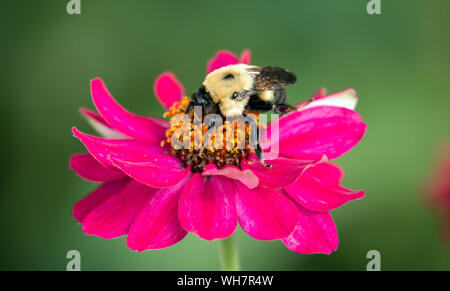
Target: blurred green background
398,62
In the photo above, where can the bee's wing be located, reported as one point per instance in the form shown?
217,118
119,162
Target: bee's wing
270,78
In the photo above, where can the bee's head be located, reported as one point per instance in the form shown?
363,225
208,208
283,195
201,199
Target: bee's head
203,99
228,83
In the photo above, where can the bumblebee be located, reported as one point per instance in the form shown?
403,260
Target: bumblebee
233,89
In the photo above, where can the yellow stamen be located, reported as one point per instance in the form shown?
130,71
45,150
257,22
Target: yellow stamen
216,150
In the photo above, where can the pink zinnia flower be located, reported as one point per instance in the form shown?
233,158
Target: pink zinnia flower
154,197
438,188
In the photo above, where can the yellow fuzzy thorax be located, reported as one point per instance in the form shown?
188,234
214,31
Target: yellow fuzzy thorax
221,89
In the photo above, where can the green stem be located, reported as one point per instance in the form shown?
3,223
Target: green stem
229,257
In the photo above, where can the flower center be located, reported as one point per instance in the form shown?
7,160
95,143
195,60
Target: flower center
191,141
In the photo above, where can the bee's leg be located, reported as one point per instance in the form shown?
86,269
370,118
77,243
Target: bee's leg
282,109
260,156
259,152
211,124
279,96
189,107
208,133
279,101
309,101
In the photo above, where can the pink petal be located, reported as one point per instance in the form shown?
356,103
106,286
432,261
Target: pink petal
135,126
221,59
345,99
328,172
207,207
314,233
92,115
245,57
154,170
316,96
311,133
97,197
88,168
246,177
315,192
99,124
124,149
113,218
282,173
168,89
264,213
157,225
320,94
